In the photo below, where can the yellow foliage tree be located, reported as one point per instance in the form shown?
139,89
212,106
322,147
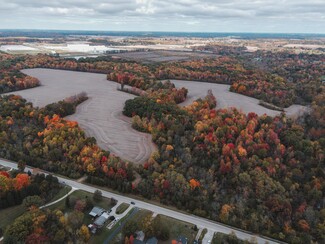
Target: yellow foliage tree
84,233
224,213
91,169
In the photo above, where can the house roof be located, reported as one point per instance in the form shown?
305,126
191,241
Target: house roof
105,215
96,211
100,221
140,235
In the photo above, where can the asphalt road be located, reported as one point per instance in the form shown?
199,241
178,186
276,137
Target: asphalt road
200,222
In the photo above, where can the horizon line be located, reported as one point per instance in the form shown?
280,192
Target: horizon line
162,31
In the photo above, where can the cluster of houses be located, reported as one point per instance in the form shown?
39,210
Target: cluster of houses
101,217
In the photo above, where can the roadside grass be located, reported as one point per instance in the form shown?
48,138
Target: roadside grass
219,237
204,231
105,203
141,215
3,168
65,190
122,207
178,228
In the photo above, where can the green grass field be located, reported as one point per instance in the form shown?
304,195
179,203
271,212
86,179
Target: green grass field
178,228
79,194
8,215
139,216
65,190
122,207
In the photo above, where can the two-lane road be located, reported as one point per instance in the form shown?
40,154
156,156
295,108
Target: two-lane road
200,222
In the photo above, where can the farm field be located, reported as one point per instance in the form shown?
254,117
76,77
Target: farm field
225,98
161,56
100,116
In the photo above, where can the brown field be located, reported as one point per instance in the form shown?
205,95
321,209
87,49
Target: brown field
100,116
225,98
161,56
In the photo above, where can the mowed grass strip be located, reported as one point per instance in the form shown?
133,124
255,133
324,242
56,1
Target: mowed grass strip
122,207
178,228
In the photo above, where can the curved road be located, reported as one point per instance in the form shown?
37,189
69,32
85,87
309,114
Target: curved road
200,222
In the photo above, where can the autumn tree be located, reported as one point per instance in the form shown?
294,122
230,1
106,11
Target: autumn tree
32,201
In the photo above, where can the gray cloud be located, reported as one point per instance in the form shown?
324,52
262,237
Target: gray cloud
177,15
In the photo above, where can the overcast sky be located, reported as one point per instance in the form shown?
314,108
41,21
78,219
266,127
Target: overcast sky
294,16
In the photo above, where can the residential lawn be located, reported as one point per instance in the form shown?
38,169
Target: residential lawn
231,238
122,207
138,217
79,194
178,228
65,190
8,215
105,203
104,233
